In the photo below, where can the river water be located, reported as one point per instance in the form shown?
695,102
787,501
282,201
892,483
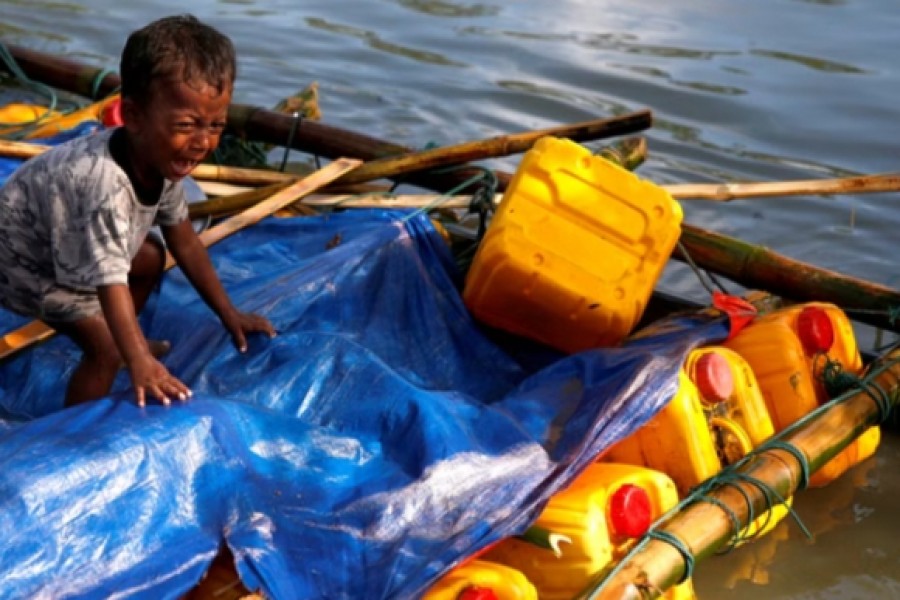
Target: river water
764,90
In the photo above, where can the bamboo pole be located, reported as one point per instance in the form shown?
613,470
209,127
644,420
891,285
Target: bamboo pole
725,192
225,205
757,267
704,527
36,331
218,188
722,192
21,150
237,175
502,145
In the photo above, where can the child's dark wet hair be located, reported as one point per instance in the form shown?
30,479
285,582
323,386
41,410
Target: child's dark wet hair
178,48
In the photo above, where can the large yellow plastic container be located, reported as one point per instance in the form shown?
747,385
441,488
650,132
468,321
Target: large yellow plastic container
788,371
743,405
574,251
676,441
704,427
583,513
477,579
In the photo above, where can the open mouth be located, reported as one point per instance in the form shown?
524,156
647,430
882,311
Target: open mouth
183,168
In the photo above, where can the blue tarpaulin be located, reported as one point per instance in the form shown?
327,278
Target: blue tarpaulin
380,438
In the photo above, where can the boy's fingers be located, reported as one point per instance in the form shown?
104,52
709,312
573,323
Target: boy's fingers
180,390
262,324
240,341
139,393
161,395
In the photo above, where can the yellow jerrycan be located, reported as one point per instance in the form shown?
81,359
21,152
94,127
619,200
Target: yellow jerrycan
599,517
715,418
42,123
482,580
574,250
787,350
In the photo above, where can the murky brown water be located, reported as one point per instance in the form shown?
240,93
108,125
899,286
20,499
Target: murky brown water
768,90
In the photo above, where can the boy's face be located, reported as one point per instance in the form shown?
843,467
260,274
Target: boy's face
175,129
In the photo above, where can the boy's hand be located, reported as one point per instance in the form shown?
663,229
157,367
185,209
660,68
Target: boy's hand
240,324
150,377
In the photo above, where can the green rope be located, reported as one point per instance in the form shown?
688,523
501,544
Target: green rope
98,81
706,279
839,383
892,313
835,379
22,129
680,546
485,176
732,515
773,498
295,122
776,443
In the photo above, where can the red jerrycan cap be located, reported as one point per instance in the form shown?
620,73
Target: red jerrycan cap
630,511
713,377
112,114
815,330
474,592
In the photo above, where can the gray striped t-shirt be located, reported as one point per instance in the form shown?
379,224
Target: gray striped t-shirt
70,221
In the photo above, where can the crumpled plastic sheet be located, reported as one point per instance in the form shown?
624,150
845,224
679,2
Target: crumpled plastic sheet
379,439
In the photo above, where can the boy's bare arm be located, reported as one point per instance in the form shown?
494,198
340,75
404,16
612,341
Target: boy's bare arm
148,375
192,257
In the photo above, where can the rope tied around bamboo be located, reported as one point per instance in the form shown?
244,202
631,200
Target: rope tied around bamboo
880,384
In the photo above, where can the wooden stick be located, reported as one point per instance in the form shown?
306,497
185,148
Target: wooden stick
36,331
226,205
725,192
502,145
705,527
219,188
224,173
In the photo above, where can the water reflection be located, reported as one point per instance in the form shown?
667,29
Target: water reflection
444,8
700,86
848,550
819,64
373,40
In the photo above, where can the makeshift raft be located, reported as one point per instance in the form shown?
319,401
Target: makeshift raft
381,439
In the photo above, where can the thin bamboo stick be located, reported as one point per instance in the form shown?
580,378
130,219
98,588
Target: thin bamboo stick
725,192
218,188
722,192
705,527
36,331
24,150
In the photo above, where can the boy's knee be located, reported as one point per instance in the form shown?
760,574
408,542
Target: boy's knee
149,261
104,357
